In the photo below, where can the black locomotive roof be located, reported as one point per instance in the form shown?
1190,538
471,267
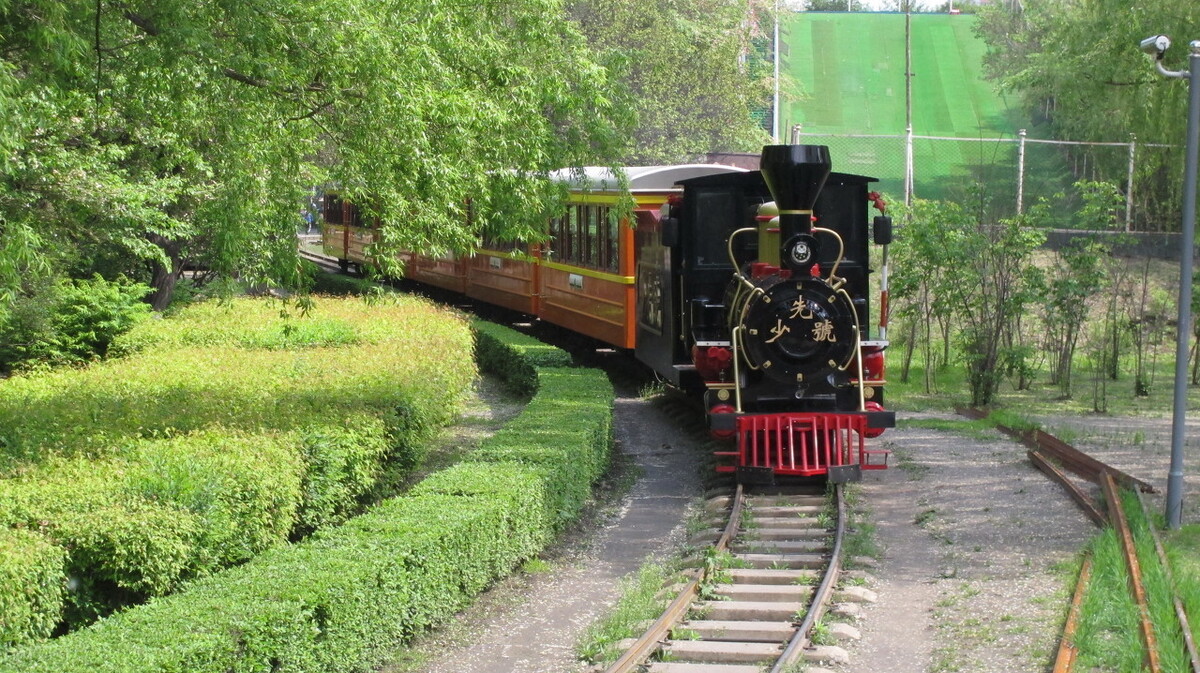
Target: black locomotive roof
754,180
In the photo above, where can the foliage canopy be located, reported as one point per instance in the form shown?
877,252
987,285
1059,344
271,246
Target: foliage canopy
171,134
695,72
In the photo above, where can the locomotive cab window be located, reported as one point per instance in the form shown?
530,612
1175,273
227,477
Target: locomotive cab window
586,235
714,212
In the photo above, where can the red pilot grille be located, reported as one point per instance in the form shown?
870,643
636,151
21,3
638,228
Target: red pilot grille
802,444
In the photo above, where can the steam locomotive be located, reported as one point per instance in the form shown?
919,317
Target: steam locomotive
749,288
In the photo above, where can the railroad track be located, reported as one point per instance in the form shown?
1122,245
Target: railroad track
323,261
1049,453
773,564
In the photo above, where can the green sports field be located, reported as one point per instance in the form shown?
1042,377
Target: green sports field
847,77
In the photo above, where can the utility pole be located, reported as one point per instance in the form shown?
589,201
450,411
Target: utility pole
775,102
1156,46
908,121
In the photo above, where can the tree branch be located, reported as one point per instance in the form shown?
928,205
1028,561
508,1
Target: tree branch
316,86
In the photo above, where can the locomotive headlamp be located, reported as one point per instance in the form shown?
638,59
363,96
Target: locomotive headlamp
800,252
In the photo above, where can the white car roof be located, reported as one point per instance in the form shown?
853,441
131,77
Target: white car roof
641,178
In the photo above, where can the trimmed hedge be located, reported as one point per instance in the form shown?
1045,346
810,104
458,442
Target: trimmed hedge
344,598
514,357
175,509
239,430
31,587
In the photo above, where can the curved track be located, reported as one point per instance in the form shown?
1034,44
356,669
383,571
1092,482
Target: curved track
773,562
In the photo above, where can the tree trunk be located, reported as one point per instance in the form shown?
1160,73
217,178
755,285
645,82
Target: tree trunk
164,279
1194,358
910,346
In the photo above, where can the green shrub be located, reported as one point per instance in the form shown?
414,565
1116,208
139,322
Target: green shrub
341,465
178,508
214,442
342,599
192,380
514,357
31,586
244,489
514,486
66,322
90,314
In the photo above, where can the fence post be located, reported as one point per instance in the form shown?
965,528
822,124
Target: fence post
1021,173
908,166
796,133
1129,185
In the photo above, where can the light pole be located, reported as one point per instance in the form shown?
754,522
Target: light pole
1156,46
775,99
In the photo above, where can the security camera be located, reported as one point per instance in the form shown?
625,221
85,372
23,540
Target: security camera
1155,46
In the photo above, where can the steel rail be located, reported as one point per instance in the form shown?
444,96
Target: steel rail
1189,643
1067,650
319,259
645,645
1117,515
1085,501
1081,463
820,598
1071,458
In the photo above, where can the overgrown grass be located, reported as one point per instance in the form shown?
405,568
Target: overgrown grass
1183,551
950,388
981,429
1109,636
861,540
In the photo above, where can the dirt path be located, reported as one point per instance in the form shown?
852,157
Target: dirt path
531,622
975,570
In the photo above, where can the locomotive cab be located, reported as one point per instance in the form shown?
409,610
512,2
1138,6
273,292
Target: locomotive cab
761,283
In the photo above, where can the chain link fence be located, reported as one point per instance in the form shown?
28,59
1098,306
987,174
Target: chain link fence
1004,177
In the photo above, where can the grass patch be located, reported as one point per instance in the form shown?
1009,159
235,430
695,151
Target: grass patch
641,600
924,518
1183,553
1109,636
907,464
535,566
976,429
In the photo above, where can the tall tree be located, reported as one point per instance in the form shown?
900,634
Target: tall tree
186,132
1077,66
693,71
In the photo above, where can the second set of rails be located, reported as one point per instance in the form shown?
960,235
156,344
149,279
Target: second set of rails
1056,459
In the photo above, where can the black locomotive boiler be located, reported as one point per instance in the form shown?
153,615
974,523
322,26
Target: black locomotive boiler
753,291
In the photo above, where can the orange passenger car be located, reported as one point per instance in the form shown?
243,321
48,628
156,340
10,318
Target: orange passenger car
582,278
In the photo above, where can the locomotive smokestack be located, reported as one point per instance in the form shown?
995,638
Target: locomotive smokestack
795,175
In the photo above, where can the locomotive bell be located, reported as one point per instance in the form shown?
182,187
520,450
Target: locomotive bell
795,175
